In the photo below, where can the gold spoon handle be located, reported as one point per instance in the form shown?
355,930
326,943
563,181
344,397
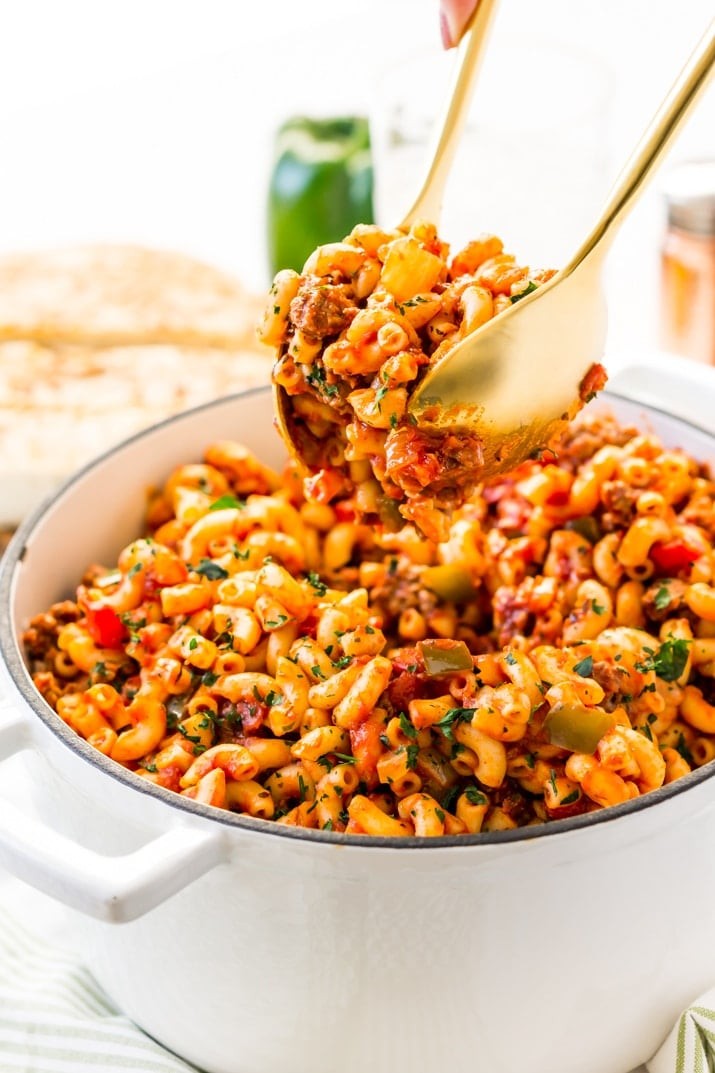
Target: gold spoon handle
428,204
655,141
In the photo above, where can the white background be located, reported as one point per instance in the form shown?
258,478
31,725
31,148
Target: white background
151,120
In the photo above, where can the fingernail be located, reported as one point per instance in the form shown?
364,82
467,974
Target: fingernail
445,30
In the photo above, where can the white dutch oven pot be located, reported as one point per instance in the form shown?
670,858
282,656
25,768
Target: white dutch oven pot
248,947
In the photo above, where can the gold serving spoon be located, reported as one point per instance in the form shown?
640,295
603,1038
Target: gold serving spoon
428,203
516,379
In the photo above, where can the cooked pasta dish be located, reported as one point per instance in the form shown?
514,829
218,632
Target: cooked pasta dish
550,655
355,333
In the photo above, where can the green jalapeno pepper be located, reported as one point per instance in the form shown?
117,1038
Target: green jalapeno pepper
321,186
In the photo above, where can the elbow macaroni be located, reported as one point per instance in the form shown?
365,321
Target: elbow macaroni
553,655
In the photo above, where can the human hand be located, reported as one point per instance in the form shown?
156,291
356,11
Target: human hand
454,16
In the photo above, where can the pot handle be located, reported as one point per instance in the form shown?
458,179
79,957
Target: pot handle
115,889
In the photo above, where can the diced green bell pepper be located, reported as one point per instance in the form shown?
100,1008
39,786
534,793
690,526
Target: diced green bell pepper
575,728
445,657
449,581
320,188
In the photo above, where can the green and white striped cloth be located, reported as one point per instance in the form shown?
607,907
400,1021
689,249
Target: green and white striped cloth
54,1018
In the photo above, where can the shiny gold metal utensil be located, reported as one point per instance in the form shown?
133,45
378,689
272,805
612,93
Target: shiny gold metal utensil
428,203
516,380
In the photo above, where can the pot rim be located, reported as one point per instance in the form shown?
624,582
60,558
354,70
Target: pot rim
11,654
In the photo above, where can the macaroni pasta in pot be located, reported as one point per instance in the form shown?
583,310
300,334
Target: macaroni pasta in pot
355,334
552,654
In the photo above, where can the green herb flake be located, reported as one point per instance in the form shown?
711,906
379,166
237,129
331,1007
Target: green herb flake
681,746
529,289
669,661
510,659
211,570
571,799
193,643
412,754
475,796
584,667
454,715
661,600
320,587
406,726
227,502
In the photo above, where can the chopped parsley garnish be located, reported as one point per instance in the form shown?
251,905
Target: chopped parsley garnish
412,754
449,798
343,662
328,825
316,672
681,746
302,787
320,587
598,609
226,502
272,623
316,378
669,661
406,726
135,569
193,643
209,678
529,289
552,780
571,799
454,715
189,737
345,758
211,570
584,667
510,659
662,598
475,796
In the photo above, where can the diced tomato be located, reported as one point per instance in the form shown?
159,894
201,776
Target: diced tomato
344,510
593,382
367,749
402,689
251,714
673,556
106,627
